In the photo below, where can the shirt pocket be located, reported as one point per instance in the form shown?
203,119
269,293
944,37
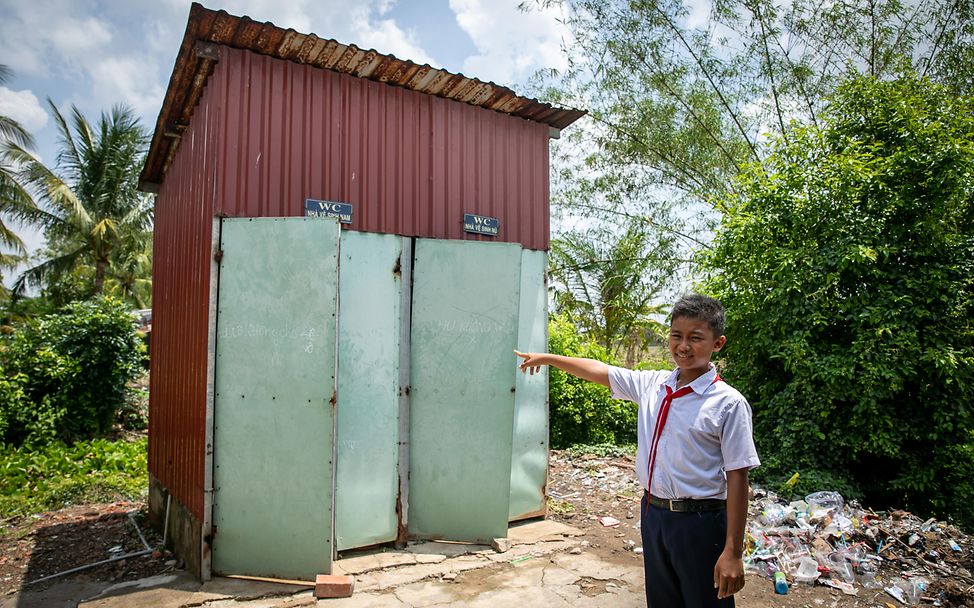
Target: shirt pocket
703,442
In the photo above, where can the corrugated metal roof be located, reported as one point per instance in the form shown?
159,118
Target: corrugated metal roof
206,28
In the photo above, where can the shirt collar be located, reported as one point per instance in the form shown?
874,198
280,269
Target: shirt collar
699,385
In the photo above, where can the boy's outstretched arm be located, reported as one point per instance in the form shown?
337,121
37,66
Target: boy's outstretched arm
729,571
586,369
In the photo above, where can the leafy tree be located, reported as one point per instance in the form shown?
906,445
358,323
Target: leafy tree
606,284
93,213
846,262
15,201
679,103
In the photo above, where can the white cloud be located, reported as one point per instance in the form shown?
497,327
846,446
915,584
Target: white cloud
384,6
50,38
512,44
295,14
72,38
699,13
23,107
387,37
125,79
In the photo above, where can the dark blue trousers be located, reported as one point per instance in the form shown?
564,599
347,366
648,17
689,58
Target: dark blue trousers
680,551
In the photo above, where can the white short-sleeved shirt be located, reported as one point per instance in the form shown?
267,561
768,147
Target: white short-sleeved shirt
707,432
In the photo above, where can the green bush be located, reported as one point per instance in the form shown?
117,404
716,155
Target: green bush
21,421
846,265
134,413
66,374
581,411
35,479
11,398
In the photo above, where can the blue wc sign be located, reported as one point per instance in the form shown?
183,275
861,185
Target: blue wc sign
316,208
481,224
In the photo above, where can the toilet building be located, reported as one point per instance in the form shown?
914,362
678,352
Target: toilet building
347,248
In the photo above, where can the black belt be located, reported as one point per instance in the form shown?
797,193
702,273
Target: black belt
688,505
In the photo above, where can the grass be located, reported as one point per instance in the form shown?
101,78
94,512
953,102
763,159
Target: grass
38,479
560,507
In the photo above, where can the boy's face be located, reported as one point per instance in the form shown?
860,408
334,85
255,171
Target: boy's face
692,343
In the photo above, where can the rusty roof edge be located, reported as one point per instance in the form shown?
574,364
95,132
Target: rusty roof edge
152,175
482,94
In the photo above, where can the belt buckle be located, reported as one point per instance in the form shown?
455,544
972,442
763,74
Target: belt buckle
670,500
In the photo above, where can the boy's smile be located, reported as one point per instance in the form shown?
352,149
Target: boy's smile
692,343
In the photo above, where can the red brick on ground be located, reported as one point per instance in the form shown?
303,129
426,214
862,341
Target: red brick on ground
333,585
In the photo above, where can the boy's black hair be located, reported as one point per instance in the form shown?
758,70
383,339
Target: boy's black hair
702,308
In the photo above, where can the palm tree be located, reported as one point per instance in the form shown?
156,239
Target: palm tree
131,271
606,283
92,212
15,202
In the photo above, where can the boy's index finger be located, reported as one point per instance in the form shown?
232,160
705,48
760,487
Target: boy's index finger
520,354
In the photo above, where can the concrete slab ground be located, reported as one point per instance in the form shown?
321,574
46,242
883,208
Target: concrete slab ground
545,566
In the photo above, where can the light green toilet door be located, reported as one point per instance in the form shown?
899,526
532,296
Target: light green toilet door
529,464
274,421
366,473
464,329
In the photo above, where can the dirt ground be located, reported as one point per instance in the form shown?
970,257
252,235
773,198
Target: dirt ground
581,489
32,548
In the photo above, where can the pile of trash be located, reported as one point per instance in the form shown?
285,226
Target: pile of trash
825,540
588,480
604,475
821,540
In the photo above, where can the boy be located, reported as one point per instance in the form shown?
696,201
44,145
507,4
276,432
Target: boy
695,448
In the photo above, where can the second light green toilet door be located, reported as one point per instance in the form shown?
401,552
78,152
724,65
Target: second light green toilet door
464,328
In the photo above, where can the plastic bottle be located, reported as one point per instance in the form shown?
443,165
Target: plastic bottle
780,584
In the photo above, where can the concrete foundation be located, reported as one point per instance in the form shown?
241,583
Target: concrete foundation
184,532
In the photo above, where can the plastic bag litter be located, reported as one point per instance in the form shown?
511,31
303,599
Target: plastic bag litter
825,500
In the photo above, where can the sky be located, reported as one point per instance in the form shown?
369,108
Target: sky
97,53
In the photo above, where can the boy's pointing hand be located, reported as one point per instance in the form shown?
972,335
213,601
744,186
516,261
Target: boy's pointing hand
531,362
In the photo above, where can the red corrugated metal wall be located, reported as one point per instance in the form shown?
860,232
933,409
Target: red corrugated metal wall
410,163
180,303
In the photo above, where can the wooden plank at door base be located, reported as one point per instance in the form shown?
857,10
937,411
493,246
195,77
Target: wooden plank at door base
264,579
333,585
